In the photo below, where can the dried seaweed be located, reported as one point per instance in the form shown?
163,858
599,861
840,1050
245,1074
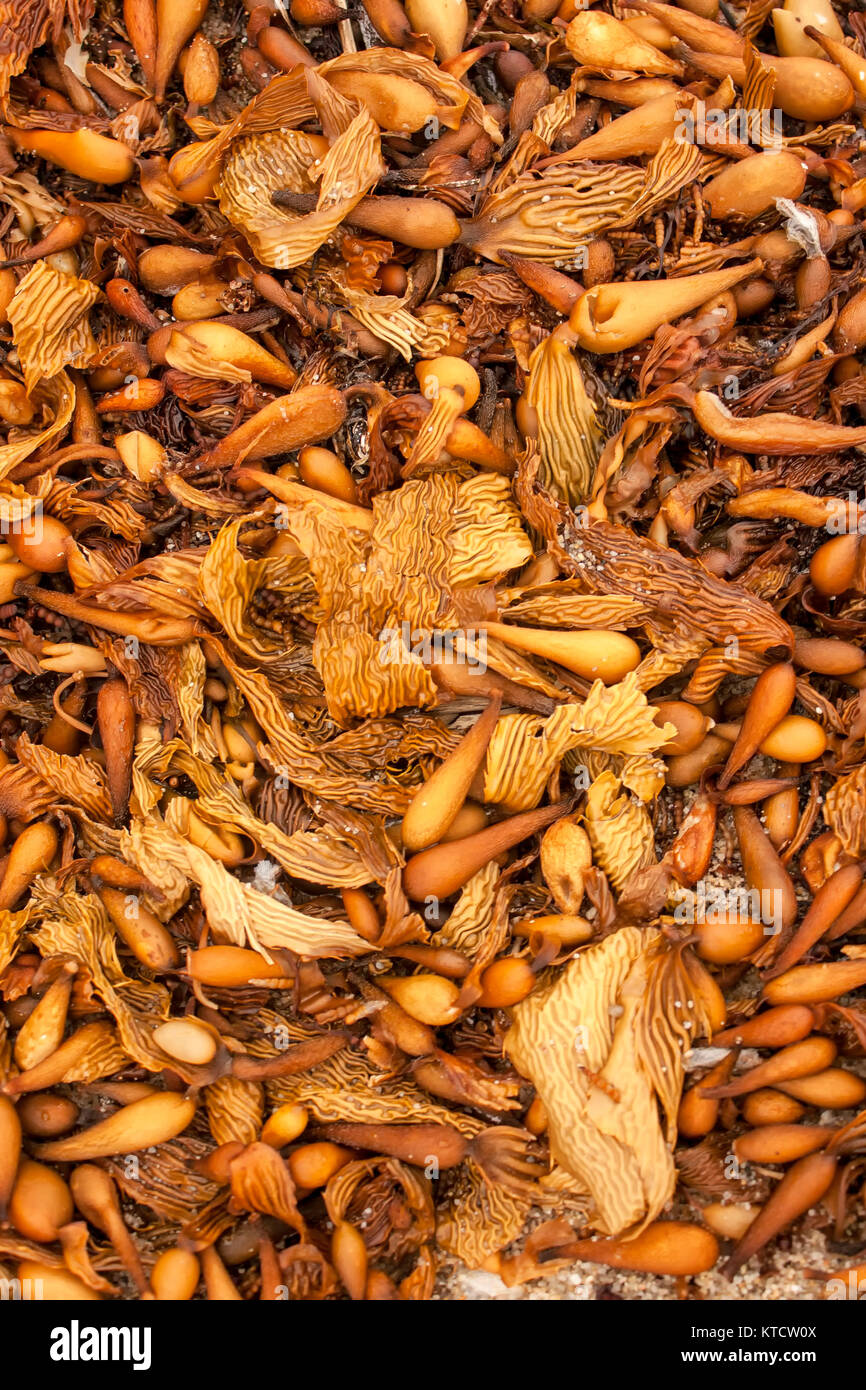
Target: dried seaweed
413,461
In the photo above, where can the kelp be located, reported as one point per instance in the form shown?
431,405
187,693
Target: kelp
525,750
25,26
453,100
620,830
72,780
609,561
55,402
373,398
478,1220
379,590
602,1092
845,811
235,1110
259,165
568,435
472,914
12,925
49,322
549,217
241,915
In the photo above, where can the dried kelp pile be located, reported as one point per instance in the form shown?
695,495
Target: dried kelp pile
432,603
